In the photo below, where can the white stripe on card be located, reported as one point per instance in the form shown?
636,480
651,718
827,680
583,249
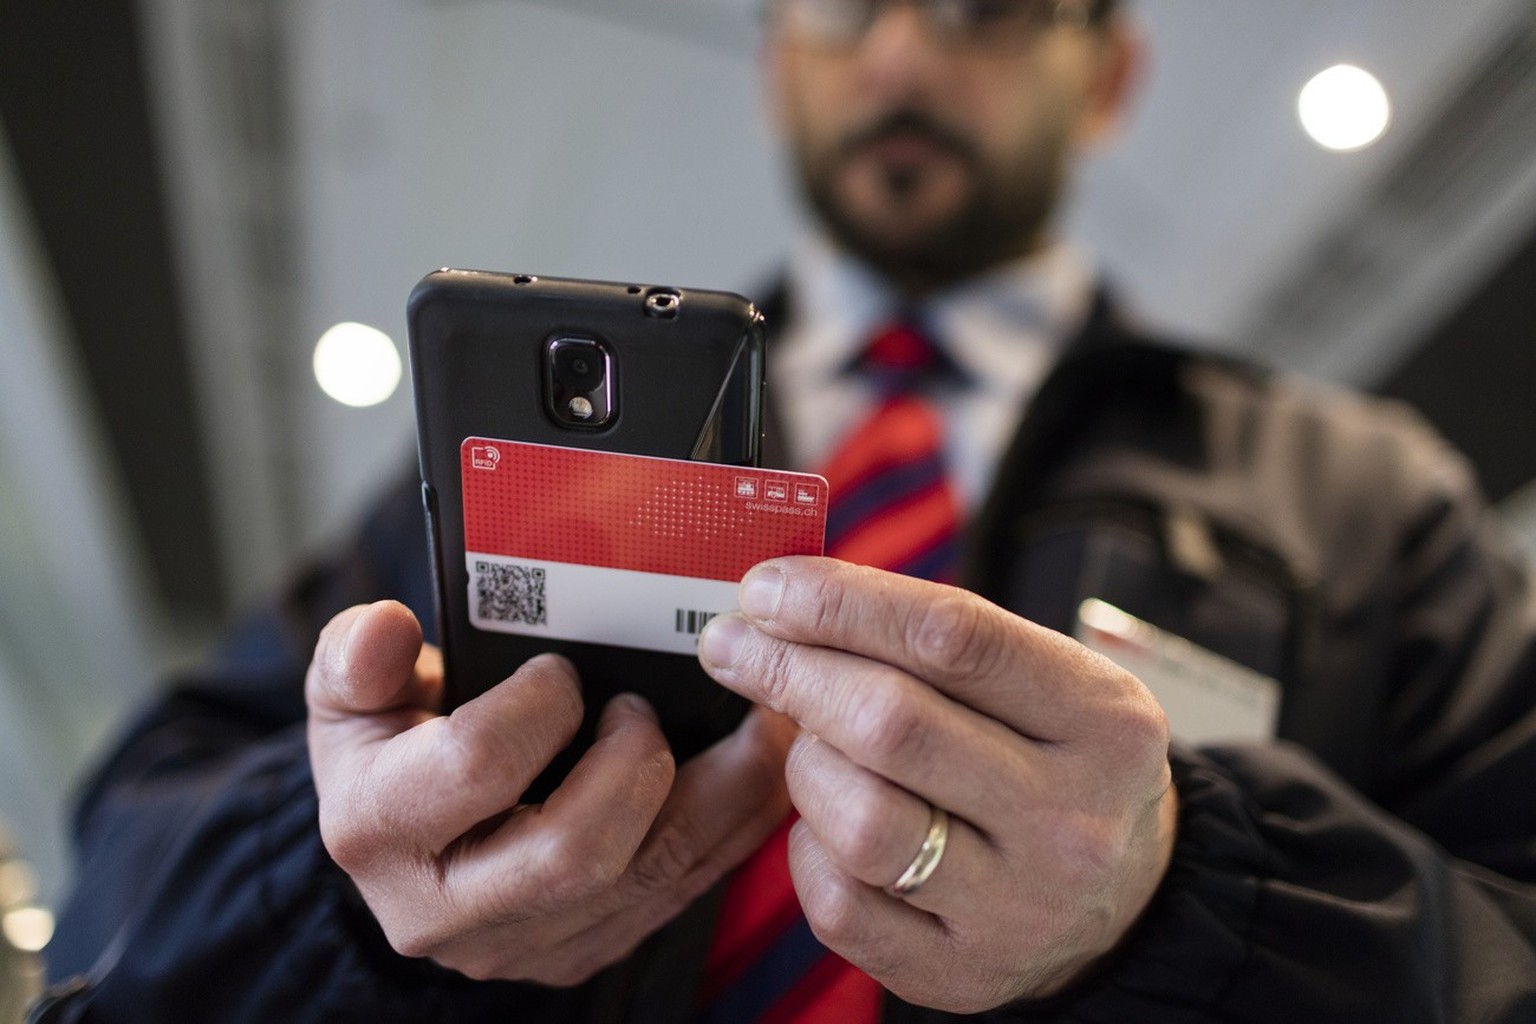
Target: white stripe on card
593,604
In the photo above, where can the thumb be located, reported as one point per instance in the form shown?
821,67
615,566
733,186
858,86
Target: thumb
370,659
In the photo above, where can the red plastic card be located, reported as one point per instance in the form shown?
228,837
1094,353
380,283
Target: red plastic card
598,547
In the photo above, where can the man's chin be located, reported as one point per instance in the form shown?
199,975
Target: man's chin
896,237
926,259
890,250
921,242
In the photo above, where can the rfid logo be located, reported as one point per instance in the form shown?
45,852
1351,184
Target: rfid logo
484,456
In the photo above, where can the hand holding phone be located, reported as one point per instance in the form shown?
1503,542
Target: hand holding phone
502,363
420,818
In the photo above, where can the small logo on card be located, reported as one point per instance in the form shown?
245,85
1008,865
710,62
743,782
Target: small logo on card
484,456
805,494
776,490
746,487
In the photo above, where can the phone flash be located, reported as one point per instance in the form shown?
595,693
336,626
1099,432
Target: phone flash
581,408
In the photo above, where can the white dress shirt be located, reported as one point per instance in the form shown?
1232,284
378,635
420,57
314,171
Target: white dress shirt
1003,330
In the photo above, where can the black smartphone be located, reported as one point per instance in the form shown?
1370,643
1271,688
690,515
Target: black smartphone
626,368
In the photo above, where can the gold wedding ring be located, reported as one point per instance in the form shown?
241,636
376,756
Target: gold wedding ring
928,855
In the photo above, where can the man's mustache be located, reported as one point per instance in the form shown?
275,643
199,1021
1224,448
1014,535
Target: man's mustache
911,124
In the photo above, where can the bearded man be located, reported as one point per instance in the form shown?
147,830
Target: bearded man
946,801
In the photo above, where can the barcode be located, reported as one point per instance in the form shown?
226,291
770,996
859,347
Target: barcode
690,621
511,593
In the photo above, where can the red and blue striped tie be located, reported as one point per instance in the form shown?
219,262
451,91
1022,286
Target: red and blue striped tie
892,504
892,507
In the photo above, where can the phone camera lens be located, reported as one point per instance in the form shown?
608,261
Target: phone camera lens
578,366
579,390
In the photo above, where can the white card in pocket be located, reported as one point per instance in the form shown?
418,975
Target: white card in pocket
1208,698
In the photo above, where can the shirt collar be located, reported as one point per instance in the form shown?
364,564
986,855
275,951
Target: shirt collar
1040,300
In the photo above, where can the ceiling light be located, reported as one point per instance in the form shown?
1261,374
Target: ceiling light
1344,108
28,929
357,365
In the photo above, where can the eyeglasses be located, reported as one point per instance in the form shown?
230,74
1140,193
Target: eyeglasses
843,23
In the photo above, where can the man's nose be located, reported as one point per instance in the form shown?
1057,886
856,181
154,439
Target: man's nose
900,54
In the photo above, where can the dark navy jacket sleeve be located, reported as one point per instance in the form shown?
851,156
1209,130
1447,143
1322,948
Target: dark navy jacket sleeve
203,890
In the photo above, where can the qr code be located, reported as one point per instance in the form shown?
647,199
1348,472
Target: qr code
511,593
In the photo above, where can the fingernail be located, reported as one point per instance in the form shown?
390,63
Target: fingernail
761,590
720,643
635,704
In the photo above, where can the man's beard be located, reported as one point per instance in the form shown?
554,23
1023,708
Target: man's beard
1003,215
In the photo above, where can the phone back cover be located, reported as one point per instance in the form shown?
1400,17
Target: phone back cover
687,385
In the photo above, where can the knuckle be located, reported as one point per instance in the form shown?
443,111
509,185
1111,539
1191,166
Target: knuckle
655,773
352,851
470,750
1152,726
667,858
775,664
1089,853
571,885
829,600
479,740
409,932
474,970
804,755
475,964
570,871
956,980
576,968
952,636
566,975
1154,736
556,677
545,688
832,913
409,942
860,835
990,987
889,722
1134,720
351,830
837,921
